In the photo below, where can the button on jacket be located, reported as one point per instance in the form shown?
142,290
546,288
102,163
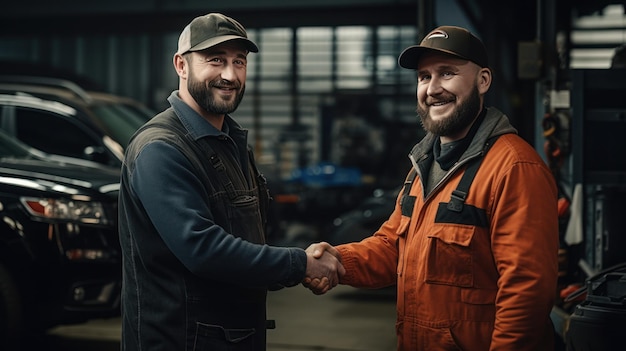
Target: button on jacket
465,286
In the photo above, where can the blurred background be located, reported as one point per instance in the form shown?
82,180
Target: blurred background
322,63
330,113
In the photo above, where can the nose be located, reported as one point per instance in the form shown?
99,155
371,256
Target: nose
228,73
434,87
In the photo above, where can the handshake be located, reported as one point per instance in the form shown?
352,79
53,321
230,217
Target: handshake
323,268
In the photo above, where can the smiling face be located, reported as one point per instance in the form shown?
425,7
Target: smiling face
215,78
449,94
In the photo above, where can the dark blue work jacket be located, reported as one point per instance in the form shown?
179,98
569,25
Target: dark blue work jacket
196,269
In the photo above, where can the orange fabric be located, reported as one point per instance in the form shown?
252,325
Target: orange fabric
465,287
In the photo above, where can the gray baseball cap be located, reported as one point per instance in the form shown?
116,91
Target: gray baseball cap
209,30
455,41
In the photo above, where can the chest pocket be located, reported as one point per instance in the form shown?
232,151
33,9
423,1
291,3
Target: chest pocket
450,256
449,246
238,201
243,206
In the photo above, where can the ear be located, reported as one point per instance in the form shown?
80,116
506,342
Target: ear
484,80
180,65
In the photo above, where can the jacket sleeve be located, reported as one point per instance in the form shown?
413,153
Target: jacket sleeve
170,192
525,242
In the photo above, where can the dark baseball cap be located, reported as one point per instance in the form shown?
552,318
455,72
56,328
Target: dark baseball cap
209,30
455,41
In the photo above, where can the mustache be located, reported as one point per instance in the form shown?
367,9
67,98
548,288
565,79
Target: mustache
430,102
224,84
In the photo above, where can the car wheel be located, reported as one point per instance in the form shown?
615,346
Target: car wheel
10,307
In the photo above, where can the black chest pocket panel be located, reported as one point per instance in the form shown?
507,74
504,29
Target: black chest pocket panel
466,215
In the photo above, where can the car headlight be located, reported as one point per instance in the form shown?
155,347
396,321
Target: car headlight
91,212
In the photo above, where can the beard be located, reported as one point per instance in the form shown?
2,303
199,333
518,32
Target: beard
202,93
462,117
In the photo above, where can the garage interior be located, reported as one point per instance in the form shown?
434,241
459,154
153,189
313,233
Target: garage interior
324,63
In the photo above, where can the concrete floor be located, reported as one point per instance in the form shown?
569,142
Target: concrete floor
344,319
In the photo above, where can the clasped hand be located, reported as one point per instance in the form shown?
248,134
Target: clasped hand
323,268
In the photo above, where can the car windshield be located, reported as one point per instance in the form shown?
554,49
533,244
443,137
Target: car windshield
120,121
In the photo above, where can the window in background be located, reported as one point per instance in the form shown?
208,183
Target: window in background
300,71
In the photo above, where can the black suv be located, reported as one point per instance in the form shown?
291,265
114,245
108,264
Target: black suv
59,250
59,117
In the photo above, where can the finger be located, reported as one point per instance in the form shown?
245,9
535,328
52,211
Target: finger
331,278
310,248
321,290
324,283
336,271
331,250
341,270
315,283
316,250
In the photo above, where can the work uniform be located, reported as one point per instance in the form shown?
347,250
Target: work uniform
195,268
484,280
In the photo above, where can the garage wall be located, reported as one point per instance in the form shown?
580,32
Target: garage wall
293,85
126,47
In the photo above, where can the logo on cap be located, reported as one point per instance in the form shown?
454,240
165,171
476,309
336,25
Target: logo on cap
438,34
450,40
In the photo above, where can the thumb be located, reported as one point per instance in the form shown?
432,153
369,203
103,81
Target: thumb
318,253
341,270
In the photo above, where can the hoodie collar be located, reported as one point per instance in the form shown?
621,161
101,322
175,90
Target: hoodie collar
495,123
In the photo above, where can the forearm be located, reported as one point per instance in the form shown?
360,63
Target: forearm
371,263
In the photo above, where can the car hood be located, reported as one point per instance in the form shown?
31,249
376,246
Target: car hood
59,177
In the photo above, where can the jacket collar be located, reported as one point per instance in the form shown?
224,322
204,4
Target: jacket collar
198,127
495,123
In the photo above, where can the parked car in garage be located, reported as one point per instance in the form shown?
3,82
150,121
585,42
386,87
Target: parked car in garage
59,251
59,117
365,219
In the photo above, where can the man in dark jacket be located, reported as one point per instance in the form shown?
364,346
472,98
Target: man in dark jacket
196,269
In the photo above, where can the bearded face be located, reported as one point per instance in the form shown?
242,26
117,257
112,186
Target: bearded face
203,93
459,119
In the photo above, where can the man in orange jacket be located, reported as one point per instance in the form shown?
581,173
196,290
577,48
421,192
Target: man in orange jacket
474,260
